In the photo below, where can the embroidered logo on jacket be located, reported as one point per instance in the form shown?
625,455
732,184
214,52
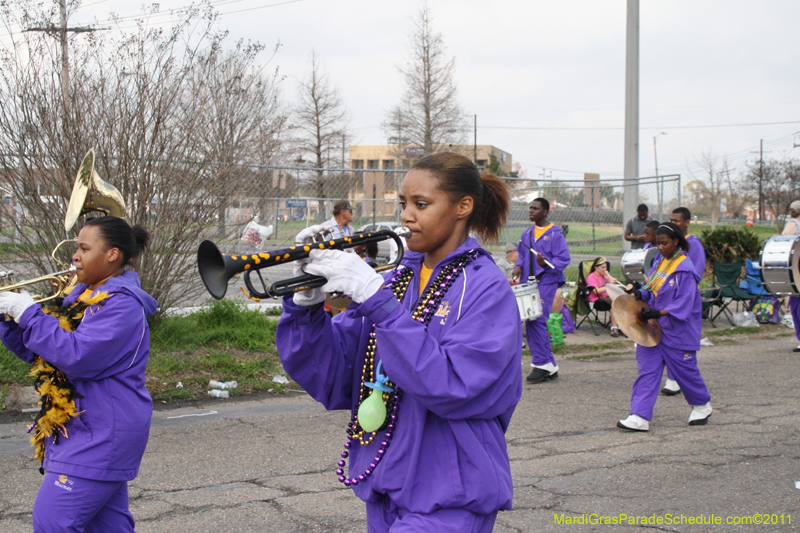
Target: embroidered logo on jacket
443,311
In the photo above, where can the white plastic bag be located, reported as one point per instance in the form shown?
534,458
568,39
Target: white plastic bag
255,234
745,319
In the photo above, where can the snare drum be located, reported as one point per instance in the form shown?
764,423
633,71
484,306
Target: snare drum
780,267
528,300
636,264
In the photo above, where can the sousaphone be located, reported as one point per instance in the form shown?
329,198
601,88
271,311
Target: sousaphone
90,193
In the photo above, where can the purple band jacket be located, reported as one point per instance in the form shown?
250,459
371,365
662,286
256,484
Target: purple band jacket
553,246
461,380
105,359
680,297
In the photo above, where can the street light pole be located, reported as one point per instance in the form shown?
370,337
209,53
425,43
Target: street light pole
655,152
660,182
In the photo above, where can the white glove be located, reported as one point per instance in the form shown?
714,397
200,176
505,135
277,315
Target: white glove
305,236
14,304
346,273
308,298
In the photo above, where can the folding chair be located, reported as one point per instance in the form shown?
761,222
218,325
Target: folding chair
592,309
752,281
726,279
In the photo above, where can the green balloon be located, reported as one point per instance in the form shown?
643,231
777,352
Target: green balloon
372,412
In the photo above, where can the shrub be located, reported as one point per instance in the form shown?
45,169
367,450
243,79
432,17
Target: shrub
729,245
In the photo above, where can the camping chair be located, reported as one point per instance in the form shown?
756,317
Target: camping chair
752,281
710,297
590,310
726,278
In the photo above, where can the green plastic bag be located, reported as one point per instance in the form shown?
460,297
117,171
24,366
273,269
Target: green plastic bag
554,328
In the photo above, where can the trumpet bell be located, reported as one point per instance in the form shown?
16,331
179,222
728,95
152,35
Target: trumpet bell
90,193
215,269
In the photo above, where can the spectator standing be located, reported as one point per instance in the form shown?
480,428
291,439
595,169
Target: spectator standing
634,230
507,263
342,217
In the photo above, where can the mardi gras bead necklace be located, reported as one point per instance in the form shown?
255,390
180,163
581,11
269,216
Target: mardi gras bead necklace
379,398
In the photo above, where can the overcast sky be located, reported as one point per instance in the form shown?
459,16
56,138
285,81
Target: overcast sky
536,72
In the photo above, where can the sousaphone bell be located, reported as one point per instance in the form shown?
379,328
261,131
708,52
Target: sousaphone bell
90,193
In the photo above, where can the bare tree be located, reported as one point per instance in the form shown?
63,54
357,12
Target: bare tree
708,190
177,123
779,181
320,132
429,115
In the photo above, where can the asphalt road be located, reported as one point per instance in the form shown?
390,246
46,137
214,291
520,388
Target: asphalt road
266,465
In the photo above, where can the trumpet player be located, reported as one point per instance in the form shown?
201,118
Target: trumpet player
89,356
430,392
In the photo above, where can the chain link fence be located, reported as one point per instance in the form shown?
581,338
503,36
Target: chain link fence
589,211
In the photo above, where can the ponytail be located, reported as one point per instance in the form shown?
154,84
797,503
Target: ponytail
489,215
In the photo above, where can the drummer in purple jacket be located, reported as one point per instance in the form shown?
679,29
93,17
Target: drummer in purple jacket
674,300
100,350
427,359
547,265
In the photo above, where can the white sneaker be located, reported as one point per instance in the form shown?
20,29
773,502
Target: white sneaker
550,367
634,423
671,387
699,415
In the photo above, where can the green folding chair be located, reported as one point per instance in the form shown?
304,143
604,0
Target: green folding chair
726,280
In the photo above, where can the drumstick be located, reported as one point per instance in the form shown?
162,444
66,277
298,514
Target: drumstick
537,253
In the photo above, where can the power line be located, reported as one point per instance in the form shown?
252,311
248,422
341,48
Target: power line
740,154
162,17
643,128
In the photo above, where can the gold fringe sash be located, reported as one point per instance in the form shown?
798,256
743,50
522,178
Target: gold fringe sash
57,394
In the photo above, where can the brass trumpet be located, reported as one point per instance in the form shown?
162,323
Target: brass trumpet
58,281
216,268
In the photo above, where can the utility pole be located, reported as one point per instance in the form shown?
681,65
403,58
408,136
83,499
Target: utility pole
61,30
760,180
631,168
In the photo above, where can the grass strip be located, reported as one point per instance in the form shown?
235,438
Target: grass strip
225,342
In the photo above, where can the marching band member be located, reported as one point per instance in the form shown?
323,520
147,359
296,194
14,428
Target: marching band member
92,430
650,234
674,299
681,217
792,227
543,254
430,391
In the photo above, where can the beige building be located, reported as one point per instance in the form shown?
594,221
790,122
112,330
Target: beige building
391,156
374,158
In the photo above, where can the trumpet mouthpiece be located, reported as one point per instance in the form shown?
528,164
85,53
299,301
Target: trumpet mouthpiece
403,232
